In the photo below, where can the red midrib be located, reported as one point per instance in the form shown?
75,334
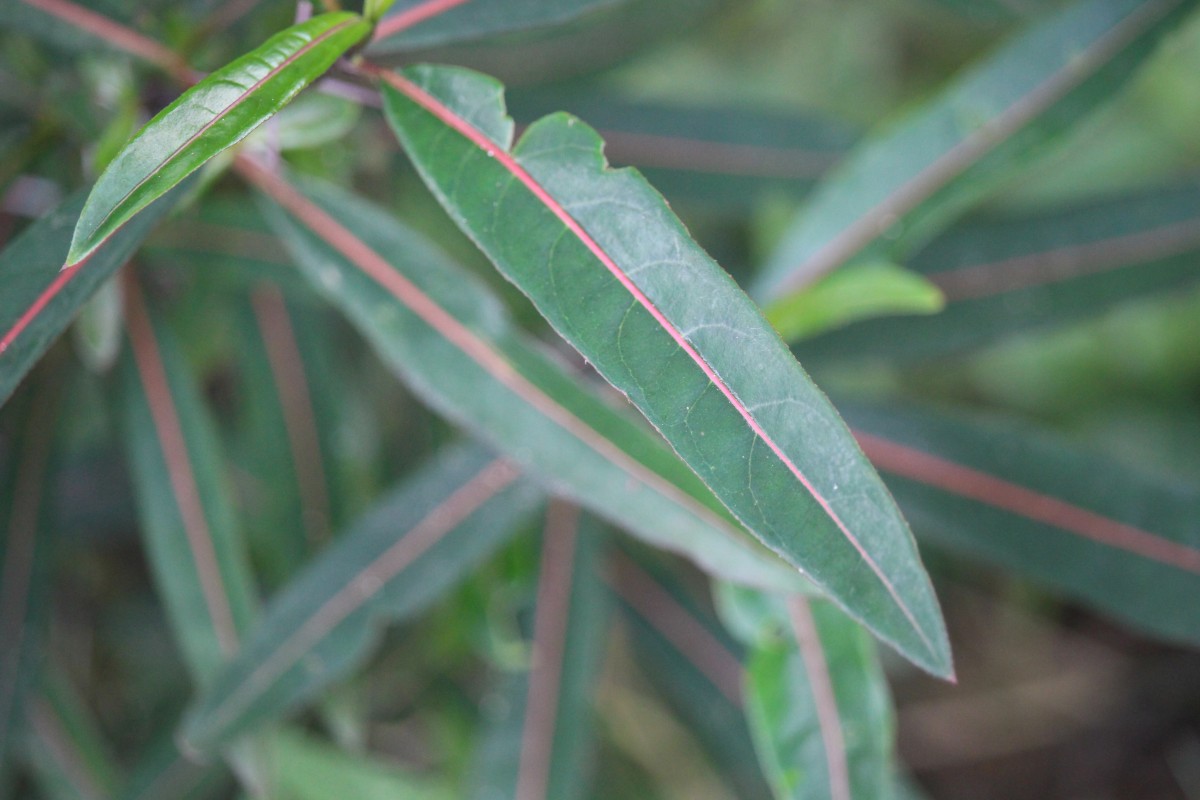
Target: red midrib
445,115
812,653
49,293
392,25
917,465
225,112
171,439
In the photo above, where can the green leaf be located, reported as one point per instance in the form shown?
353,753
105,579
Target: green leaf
39,300
391,564
163,771
413,24
612,269
817,701
190,529
213,115
924,170
305,768
27,436
537,743
1119,539
1007,276
452,342
694,664
860,291
70,758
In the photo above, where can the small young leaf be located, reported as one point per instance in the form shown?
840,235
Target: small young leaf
1006,276
927,168
418,542
213,115
613,270
860,291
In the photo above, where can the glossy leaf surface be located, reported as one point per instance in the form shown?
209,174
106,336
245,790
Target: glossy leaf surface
212,116
452,342
412,24
391,564
927,168
612,269
39,300
817,699
191,532
1119,539
1009,276
538,742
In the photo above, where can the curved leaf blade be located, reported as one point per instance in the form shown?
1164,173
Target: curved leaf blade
412,24
451,515
927,168
452,342
612,269
212,116
191,532
1121,540
39,300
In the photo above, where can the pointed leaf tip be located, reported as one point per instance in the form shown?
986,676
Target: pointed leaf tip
614,271
212,116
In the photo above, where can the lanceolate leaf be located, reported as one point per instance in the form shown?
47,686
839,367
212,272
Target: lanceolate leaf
1008,276
929,167
612,269
818,703
190,529
213,115
1123,541
452,342
27,450
391,564
412,24
539,745
38,300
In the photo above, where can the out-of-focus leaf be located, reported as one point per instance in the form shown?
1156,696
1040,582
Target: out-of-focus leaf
313,120
191,532
306,768
860,291
537,745
817,701
212,116
412,24
918,174
1122,541
288,494
39,300
396,560
98,328
164,771
453,343
74,28
613,270
694,663
26,454
69,756
723,160
1008,276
